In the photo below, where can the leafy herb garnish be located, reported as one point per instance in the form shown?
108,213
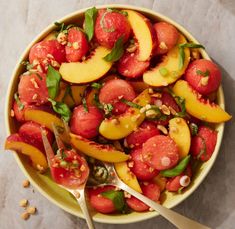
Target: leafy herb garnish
27,64
117,11
19,103
204,74
62,109
106,107
203,150
117,51
177,170
130,104
90,17
97,85
64,28
193,129
182,54
84,104
61,153
53,81
117,197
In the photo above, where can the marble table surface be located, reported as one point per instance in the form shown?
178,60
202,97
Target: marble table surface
213,24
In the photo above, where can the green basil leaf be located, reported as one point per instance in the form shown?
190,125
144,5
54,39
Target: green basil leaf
97,85
62,109
19,103
177,170
203,150
191,45
181,103
182,57
117,197
84,104
117,51
90,17
117,11
53,81
97,102
193,129
130,104
108,108
204,74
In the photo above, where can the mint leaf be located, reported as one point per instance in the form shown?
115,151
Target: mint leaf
117,51
53,81
19,103
204,74
117,197
90,18
97,85
182,54
178,169
62,109
130,104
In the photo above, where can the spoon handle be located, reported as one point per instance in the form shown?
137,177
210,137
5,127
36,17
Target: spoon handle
81,199
175,218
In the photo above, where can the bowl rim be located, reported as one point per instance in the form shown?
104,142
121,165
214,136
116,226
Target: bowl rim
47,30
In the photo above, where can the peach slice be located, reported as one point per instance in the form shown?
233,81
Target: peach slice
37,157
98,151
143,33
120,126
160,181
180,133
127,176
46,119
89,70
198,107
168,71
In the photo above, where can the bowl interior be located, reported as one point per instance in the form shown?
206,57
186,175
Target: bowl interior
61,197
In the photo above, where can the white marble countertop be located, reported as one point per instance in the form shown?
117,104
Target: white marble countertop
212,22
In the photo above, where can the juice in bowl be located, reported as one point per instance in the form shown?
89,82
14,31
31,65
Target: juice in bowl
136,89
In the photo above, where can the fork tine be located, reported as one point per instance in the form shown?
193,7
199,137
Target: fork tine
48,149
59,142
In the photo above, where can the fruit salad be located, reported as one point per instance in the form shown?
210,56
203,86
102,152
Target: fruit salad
134,92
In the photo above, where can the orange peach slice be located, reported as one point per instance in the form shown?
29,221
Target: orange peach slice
127,176
168,71
143,33
180,133
101,152
89,70
37,157
198,107
120,126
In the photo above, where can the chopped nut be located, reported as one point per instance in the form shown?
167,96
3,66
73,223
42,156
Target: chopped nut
162,128
163,45
82,168
35,96
151,113
76,194
131,164
142,110
120,97
158,102
204,81
23,203
54,63
25,183
40,168
172,110
115,121
39,68
127,195
131,48
151,210
25,215
75,45
50,56
150,90
34,83
35,62
157,95
62,38
31,210
12,113
148,106
165,110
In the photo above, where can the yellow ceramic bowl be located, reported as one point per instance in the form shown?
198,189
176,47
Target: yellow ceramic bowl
62,198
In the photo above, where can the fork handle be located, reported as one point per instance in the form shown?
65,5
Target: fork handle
82,203
175,218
